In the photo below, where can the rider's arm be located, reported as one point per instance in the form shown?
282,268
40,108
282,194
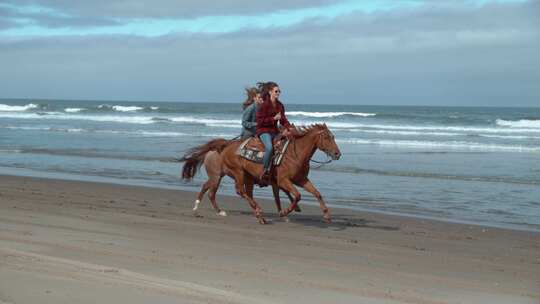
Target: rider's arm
284,121
247,117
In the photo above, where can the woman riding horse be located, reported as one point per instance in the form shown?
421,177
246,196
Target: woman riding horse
270,112
250,106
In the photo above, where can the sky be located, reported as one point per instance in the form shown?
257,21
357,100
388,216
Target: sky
380,52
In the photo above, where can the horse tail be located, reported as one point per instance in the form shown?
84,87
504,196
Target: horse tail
194,157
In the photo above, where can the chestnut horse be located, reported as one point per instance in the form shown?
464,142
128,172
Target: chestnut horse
214,170
292,171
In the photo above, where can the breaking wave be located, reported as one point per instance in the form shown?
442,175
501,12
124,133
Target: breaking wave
523,123
8,108
435,145
328,114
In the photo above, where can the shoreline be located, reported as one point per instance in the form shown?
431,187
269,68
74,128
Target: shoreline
86,242
23,172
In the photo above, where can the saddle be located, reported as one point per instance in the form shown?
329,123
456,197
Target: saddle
253,149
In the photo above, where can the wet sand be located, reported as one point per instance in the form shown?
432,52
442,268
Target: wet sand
83,242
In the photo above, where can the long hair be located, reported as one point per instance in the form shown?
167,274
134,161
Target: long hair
250,96
265,88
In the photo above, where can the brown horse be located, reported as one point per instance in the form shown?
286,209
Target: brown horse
292,171
215,171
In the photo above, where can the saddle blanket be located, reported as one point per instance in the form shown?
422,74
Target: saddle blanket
254,150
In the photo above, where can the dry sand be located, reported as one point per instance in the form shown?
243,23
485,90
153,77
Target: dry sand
81,242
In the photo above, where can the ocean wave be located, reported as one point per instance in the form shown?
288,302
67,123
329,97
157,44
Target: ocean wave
453,145
73,110
429,133
78,130
493,179
90,154
8,108
97,118
127,108
509,136
328,114
390,132
523,123
227,123
119,108
469,130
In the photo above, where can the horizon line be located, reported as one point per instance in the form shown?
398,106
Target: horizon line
286,103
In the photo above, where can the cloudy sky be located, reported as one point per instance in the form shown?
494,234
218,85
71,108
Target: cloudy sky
391,52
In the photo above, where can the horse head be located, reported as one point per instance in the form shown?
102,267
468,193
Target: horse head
326,142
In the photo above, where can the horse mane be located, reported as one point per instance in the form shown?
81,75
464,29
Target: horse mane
303,130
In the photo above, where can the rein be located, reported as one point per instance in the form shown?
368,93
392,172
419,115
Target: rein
322,163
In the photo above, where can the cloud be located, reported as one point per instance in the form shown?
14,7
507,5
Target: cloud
61,18
433,54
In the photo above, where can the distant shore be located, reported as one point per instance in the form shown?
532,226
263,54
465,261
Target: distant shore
83,242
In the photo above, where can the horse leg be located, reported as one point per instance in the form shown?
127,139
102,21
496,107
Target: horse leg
297,208
308,186
244,185
277,200
295,196
200,196
212,164
212,197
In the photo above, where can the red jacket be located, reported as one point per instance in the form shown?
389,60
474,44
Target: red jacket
265,117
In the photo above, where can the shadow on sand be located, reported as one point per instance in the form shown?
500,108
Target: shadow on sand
339,222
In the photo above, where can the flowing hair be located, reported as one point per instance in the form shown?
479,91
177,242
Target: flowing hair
250,97
265,88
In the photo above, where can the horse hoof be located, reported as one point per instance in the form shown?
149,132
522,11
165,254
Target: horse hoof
327,220
222,213
286,219
297,209
262,221
196,206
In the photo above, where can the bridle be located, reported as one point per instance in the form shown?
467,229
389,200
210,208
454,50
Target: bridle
322,163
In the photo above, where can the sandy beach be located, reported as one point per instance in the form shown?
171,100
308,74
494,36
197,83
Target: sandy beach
82,242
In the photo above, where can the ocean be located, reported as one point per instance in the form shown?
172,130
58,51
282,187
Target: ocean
459,164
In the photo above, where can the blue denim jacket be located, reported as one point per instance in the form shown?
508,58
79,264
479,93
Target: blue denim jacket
249,122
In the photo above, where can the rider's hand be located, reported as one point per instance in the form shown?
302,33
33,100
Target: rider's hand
286,132
278,116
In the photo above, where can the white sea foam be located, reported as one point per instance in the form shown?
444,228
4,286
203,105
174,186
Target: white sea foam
8,108
226,123
161,134
390,132
437,145
468,130
126,108
328,114
154,108
78,130
523,123
509,136
26,128
98,118
73,110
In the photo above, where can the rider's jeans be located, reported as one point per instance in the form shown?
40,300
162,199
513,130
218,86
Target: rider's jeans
266,139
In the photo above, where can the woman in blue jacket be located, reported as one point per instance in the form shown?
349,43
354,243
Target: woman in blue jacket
249,121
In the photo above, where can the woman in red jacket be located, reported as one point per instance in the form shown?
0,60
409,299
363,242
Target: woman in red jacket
269,113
